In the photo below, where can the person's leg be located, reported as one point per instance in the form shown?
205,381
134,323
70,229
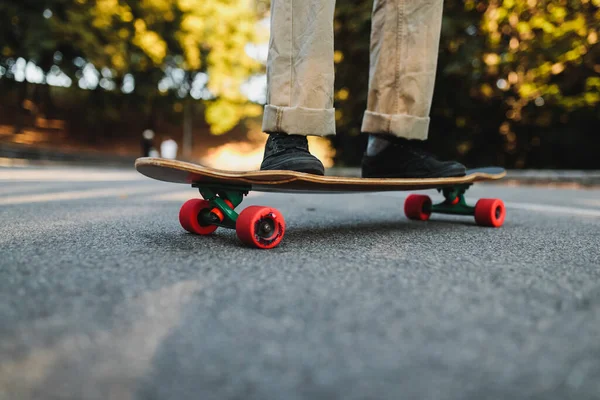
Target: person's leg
300,77
405,40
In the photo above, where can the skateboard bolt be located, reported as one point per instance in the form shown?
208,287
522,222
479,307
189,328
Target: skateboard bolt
265,228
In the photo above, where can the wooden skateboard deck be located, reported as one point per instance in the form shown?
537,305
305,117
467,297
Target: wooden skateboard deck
264,227
290,181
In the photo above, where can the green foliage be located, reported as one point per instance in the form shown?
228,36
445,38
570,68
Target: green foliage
145,39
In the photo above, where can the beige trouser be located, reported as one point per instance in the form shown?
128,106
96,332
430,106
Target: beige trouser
405,39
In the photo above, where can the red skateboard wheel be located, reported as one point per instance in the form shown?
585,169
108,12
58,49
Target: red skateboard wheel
417,207
261,227
188,217
490,212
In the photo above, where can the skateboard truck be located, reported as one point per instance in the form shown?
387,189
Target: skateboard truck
487,212
223,202
257,226
454,201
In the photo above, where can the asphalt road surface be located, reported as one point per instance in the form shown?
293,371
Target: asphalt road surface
103,296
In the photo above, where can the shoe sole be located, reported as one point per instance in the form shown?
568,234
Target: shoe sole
296,166
446,173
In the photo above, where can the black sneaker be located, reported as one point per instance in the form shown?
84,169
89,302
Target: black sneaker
290,152
404,158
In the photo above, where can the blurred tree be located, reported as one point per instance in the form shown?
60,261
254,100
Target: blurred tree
518,80
182,45
24,33
542,58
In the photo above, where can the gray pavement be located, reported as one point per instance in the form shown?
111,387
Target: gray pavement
103,296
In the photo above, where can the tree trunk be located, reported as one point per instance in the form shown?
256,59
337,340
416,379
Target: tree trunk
188,117
20,115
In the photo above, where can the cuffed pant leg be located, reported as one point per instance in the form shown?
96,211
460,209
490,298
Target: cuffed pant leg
300,71
405,40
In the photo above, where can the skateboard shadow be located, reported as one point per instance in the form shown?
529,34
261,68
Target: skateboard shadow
300,233
188,242
181,241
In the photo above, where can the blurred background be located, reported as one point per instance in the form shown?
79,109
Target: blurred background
518,81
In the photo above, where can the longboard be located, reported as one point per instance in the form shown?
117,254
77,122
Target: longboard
264,227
